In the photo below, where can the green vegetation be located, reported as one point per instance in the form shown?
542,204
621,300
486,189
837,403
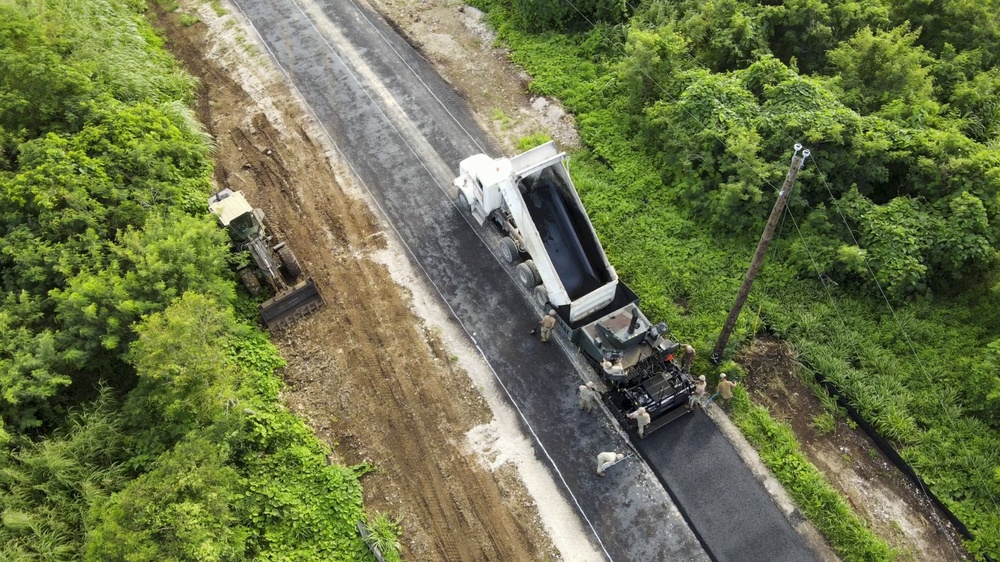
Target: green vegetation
824,423
385,532
831,513
187,20
689,111
531,141
140,413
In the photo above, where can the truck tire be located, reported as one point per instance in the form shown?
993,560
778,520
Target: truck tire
292,267
508,250
527,274
463,201
541,295
249,279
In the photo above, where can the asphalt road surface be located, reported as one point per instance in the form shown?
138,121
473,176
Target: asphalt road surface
404,131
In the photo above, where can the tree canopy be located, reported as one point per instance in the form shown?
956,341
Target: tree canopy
139,414
883,272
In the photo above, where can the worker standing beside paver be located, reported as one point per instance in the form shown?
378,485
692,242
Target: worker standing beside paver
548,322
725,389
590,398
641,416
687,358
604,460
698,395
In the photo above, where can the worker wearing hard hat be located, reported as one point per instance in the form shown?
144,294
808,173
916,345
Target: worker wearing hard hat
687,358
548,322
725,389
698,394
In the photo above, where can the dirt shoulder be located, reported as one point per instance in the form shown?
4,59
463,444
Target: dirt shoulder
372,379
456,40
892,506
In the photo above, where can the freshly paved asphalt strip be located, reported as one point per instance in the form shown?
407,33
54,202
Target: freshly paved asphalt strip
403,131
719,494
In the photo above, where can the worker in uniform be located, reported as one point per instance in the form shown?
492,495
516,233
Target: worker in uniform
725,389
698,395
604,460
641,416
548,322
590,398
687,358
614,369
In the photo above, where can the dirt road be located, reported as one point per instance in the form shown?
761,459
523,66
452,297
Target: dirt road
406,413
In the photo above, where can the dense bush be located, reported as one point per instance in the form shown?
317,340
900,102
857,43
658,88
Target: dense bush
883,273
557,14
114,277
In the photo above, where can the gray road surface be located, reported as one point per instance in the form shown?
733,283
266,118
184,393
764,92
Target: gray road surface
403,131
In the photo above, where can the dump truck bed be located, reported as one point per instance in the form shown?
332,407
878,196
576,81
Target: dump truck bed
561,234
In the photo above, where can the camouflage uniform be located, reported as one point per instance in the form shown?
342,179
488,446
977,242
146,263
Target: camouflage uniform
548,322
589,397
641,416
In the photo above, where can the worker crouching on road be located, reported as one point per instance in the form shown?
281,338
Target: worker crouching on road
548,322
590,398
641,416
604,460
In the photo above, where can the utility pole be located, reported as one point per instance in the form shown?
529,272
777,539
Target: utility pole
758,258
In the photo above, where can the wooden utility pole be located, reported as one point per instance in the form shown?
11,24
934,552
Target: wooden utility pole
758,258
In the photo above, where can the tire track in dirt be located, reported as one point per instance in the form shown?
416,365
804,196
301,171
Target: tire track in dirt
369,377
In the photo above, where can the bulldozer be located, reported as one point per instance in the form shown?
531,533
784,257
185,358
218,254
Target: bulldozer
275,265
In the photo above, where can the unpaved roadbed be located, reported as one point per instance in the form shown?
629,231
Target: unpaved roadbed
370,377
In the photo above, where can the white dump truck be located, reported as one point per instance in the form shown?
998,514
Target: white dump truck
535,203
548,236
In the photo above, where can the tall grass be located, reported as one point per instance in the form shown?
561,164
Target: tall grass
113,41
899,368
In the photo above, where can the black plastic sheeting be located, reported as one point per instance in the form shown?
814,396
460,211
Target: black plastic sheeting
577,268
893,456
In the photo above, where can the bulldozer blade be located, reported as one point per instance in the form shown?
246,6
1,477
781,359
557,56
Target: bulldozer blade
290,305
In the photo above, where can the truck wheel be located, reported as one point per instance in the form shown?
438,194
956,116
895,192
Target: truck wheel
292,267
249,279
541,295
463,201
527,274
508,250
